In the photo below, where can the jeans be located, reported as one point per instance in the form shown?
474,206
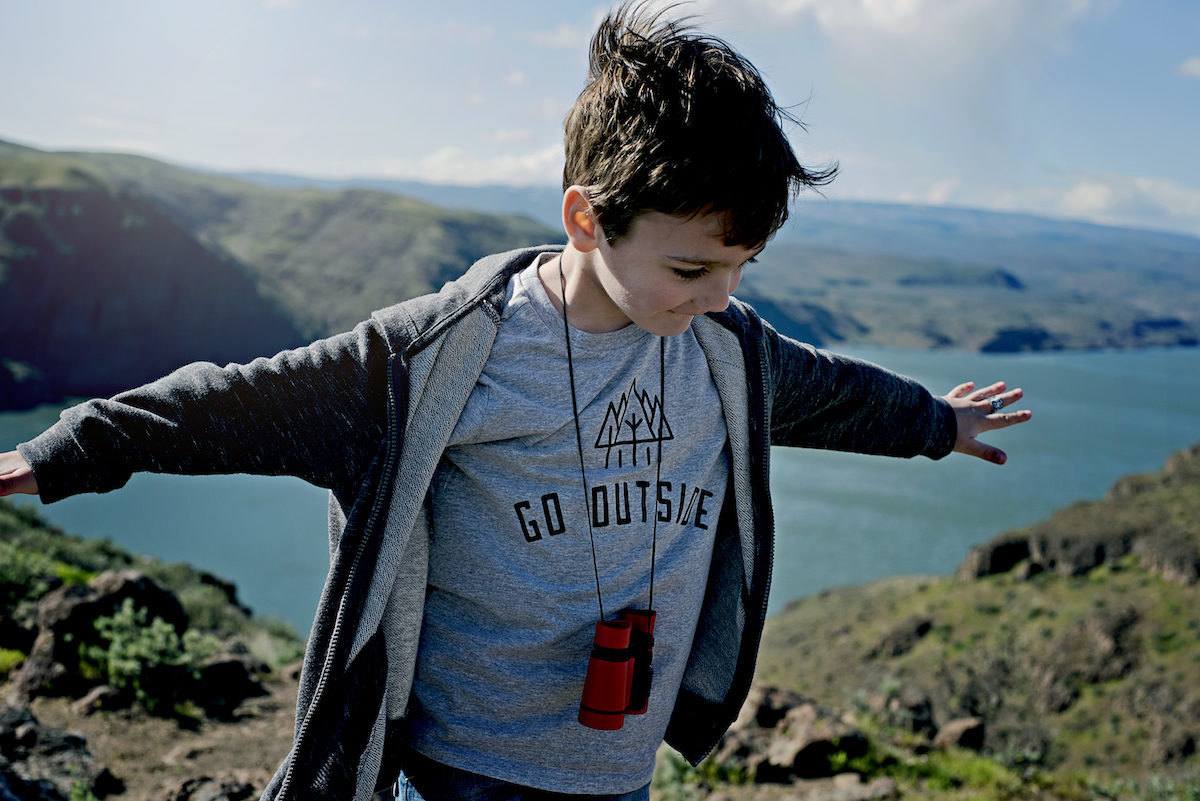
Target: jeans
426,780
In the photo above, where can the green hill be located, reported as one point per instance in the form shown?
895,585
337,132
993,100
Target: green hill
1075,641
115,269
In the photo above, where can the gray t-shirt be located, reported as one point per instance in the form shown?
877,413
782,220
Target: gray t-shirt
512,602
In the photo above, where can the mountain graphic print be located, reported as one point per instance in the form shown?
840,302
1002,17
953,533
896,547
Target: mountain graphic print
633,426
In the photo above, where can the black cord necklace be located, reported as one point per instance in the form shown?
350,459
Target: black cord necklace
662,406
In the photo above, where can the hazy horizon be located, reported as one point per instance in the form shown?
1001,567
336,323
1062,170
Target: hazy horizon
1074,109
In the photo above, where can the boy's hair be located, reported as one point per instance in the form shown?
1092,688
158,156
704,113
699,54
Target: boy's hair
677,122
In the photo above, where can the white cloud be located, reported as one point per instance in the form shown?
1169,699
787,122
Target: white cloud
910,47
936,194
926,20
564,37
1088,198
454,165
1190,68
516,78
1138,201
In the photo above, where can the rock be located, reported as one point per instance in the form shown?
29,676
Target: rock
185,752
780,736
98,698
15,787
961,733
206,788
765,706
1099,648
1076,553
1000,555
901,638
1169,743
1171,554
225,682
37,762
65,623
843,787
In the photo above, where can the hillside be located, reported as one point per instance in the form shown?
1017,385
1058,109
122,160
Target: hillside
928,276
116,269
1058,665
126,677
1073,643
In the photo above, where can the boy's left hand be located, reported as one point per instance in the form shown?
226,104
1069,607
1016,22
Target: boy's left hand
976,413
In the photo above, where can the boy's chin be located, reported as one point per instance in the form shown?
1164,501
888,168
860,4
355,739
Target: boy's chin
668,324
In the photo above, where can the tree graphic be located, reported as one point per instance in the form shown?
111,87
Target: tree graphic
633,421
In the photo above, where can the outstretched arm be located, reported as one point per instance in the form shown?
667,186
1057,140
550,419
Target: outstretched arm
319,413
978,411
15,475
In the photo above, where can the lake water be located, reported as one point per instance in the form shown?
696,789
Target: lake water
841,518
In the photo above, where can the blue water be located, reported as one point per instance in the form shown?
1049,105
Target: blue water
841,518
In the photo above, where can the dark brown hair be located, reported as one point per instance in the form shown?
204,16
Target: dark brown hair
678,122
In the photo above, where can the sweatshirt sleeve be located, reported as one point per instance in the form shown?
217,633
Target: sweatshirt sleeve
826,400
318,413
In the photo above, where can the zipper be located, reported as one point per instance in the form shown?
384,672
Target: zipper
335,636
766,530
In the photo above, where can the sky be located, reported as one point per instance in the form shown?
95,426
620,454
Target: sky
1084,109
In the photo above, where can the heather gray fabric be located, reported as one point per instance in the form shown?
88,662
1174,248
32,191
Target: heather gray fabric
339,413
512,604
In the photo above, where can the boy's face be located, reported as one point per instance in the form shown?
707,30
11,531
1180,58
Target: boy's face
668,269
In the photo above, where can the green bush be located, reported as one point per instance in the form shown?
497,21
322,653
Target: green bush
9,659
23,574
1152,789
147,658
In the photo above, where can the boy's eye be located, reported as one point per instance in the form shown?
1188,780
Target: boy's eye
690,275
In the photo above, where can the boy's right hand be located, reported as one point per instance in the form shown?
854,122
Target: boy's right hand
16,476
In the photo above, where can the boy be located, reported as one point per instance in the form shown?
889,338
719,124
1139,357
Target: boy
562,435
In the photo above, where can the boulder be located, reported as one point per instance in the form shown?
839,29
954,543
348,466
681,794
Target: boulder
901,638
961,733
1000,555
1074,553
1171,554
206,788
780,736
66,621
98,698
225,682
41,763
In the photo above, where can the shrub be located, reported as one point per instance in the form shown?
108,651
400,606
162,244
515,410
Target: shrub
24,574
9,659
147,658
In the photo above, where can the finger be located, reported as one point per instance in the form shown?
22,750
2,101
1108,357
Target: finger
998,401
984,393
981,450
1006,419
18,481
961,390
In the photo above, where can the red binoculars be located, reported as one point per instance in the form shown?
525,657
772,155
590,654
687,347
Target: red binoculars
620,670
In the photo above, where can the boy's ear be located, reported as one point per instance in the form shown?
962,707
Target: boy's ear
579,221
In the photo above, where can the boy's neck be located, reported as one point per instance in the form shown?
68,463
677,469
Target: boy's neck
589,307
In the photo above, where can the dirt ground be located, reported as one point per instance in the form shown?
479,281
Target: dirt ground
152,756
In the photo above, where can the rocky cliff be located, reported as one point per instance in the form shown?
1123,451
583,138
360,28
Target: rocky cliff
1058,664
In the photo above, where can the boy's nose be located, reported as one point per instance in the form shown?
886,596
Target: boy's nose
714,296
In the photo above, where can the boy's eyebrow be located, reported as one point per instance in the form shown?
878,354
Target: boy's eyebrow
699,262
